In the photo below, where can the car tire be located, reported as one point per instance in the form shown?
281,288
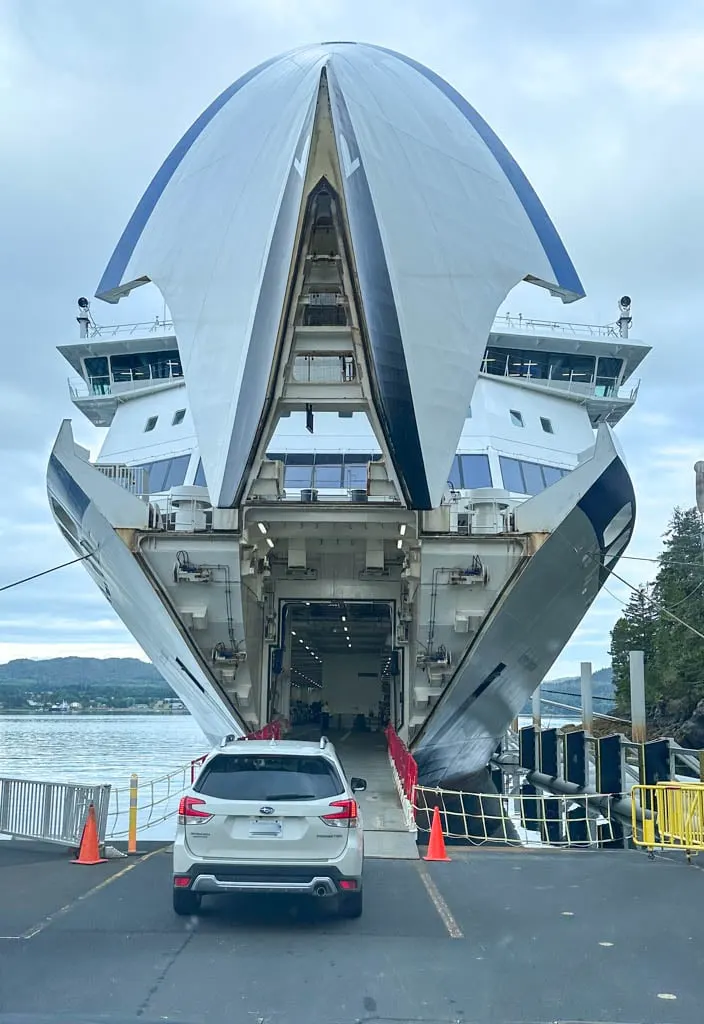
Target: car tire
186,903
351,904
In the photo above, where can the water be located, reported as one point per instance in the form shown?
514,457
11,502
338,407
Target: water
105,750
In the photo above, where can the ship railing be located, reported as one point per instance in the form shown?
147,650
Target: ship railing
576,382
323,369
405,772
124,381
524,324
155,326
132,478
52,812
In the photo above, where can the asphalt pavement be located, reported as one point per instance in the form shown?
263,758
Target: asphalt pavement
493,936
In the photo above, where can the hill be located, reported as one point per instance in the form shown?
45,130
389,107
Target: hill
108,682
567,691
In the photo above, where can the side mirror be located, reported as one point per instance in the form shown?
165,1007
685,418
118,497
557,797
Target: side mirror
358,785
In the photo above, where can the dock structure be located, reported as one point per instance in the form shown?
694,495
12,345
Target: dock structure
492,936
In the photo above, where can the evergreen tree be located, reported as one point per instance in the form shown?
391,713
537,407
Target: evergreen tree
636,630
679,587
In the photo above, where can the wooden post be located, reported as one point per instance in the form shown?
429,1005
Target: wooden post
586,689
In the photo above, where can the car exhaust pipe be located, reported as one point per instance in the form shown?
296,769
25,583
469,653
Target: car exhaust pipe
320,890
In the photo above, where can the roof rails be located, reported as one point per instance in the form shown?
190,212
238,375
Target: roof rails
230,738
323,742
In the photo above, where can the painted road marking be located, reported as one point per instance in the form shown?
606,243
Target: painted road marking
453,929
37,928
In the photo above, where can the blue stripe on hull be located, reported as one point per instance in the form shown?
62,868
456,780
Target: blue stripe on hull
397,411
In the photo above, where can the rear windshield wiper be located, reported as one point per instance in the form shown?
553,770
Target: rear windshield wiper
289,796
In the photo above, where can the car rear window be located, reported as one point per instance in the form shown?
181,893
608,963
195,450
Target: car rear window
269,777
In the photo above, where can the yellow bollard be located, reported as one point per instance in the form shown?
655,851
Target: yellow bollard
132,827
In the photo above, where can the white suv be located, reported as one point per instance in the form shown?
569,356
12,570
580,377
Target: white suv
270,816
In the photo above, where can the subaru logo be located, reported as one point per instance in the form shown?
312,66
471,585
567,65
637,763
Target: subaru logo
266,810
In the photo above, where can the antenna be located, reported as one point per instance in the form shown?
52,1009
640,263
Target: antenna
85,318
625,319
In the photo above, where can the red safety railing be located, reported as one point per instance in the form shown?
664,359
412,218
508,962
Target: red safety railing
195,765
404,763
270,731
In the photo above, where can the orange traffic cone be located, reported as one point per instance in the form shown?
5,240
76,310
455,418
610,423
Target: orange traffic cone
436,846
89,852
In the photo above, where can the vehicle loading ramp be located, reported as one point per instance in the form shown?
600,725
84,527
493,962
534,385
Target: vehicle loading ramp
365,755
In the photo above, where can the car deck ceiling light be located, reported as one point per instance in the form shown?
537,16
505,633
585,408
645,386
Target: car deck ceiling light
401,529
399,543
344,618
262,527
270,542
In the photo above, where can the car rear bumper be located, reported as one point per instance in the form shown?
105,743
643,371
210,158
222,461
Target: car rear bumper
318,886
309,881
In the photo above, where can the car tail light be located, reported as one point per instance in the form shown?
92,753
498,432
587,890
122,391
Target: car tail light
182,881
348,883
344,814
187,810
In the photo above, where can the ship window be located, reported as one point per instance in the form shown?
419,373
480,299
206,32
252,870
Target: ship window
532,477
98,375
176,473
528,477
178,417
546,424
328,472
356,476
165,474
299,471
454,479
552,474
143,366
199,479
156,475
516,417
150,424
511,473
475,471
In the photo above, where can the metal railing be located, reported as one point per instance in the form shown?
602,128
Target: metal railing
123,381
323,370
53,812
671,816
155,326
405,772
579,383
132,478
528,324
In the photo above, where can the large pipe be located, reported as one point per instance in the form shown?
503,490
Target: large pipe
621,807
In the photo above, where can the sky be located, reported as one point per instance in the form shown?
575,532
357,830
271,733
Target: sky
602,110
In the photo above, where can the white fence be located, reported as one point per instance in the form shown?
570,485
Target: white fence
54,812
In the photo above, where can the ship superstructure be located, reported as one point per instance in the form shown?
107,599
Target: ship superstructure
334,475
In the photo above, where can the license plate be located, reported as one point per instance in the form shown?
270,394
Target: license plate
269,827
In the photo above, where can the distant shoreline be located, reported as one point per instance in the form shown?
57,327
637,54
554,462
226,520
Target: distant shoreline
87,712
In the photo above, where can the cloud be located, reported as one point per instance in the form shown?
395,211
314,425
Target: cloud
599,107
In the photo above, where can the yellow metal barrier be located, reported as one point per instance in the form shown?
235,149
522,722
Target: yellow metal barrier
671,816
